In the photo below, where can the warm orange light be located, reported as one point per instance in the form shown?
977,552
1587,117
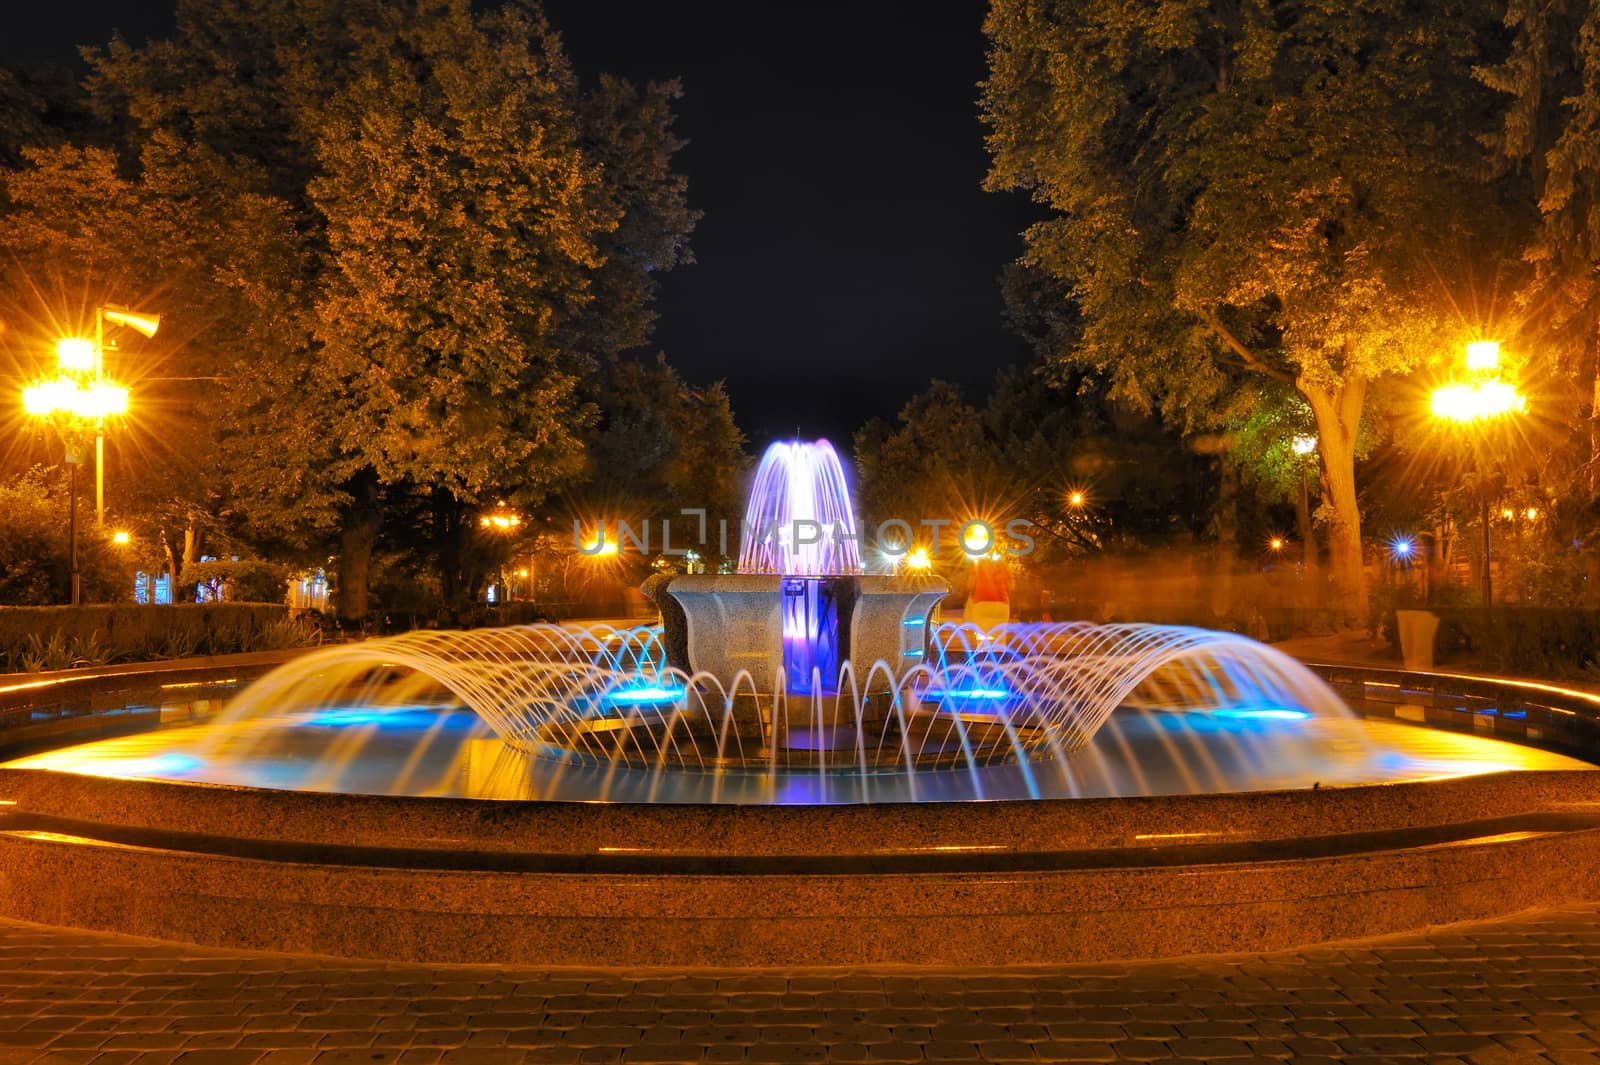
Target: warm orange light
1533,513
1508,513
1276,543
120,537
1075,499
977,538
63,396
522,573
1479,402
1483,355
601,549
500,521
75,354
918,561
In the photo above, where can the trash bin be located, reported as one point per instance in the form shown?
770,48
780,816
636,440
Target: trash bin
1417,630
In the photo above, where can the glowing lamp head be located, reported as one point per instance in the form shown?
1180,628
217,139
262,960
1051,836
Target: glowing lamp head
1402,548
918,561
121,538
62,396
75,355
1276,543
1479,402
1532,513
977,538
1303,444
1075,499
1483,355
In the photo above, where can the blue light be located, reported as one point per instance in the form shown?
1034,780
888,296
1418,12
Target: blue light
1402,548
400,717
915,621
936,695
648,695
1273,713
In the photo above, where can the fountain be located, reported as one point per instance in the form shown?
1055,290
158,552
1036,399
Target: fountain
799,765
797,679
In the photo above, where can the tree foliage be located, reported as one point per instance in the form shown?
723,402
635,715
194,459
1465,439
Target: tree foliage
414,234
1244,190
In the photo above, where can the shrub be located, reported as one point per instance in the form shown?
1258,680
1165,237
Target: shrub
246,581
37,638
35,560
1541,641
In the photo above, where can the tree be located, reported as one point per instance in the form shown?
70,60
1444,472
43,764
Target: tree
35,563
660,446
467,231
1244,190
1547,154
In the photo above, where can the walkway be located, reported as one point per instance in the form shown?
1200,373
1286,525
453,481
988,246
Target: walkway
1522,990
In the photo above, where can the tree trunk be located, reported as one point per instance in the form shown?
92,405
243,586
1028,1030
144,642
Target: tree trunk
1227,534
1338,414
461,572
358,534
1594,434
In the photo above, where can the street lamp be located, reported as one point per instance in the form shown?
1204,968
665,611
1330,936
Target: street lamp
501,521
75,404
140,322
1480,401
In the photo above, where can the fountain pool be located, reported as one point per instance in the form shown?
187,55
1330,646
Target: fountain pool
800,765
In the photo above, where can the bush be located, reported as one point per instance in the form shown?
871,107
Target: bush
247,581
1540,641
35,559
40,638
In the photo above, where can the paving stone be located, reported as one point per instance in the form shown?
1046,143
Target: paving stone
1518,990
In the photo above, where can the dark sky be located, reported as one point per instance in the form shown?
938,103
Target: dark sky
847,254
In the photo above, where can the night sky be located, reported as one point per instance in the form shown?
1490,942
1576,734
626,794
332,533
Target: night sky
847,253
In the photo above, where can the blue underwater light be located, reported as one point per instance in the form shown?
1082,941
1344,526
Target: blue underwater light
1263,713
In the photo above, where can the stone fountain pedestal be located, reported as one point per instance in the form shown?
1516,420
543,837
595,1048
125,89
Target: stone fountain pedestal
725,624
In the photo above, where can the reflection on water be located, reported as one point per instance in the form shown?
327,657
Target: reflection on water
446,750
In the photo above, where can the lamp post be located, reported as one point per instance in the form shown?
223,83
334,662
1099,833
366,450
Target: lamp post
75,404
1482,400
1304,446
502,521
141,322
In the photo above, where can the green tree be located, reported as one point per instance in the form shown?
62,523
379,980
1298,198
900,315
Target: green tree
1244,190
660,446
35,560
1547,150
466,230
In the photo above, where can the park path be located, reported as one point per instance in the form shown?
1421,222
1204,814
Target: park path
1520,990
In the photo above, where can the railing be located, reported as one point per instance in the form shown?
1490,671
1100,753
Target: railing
1526,712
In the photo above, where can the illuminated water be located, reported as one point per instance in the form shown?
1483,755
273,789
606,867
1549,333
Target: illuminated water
443,750
598,713
799,521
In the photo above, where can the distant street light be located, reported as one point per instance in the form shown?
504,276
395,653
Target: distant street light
1480,401
1304,445
500,521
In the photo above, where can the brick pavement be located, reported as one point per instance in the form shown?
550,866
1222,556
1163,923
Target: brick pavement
1526,989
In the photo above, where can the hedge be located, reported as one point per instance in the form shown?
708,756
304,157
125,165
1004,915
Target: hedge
58,637
1540,641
